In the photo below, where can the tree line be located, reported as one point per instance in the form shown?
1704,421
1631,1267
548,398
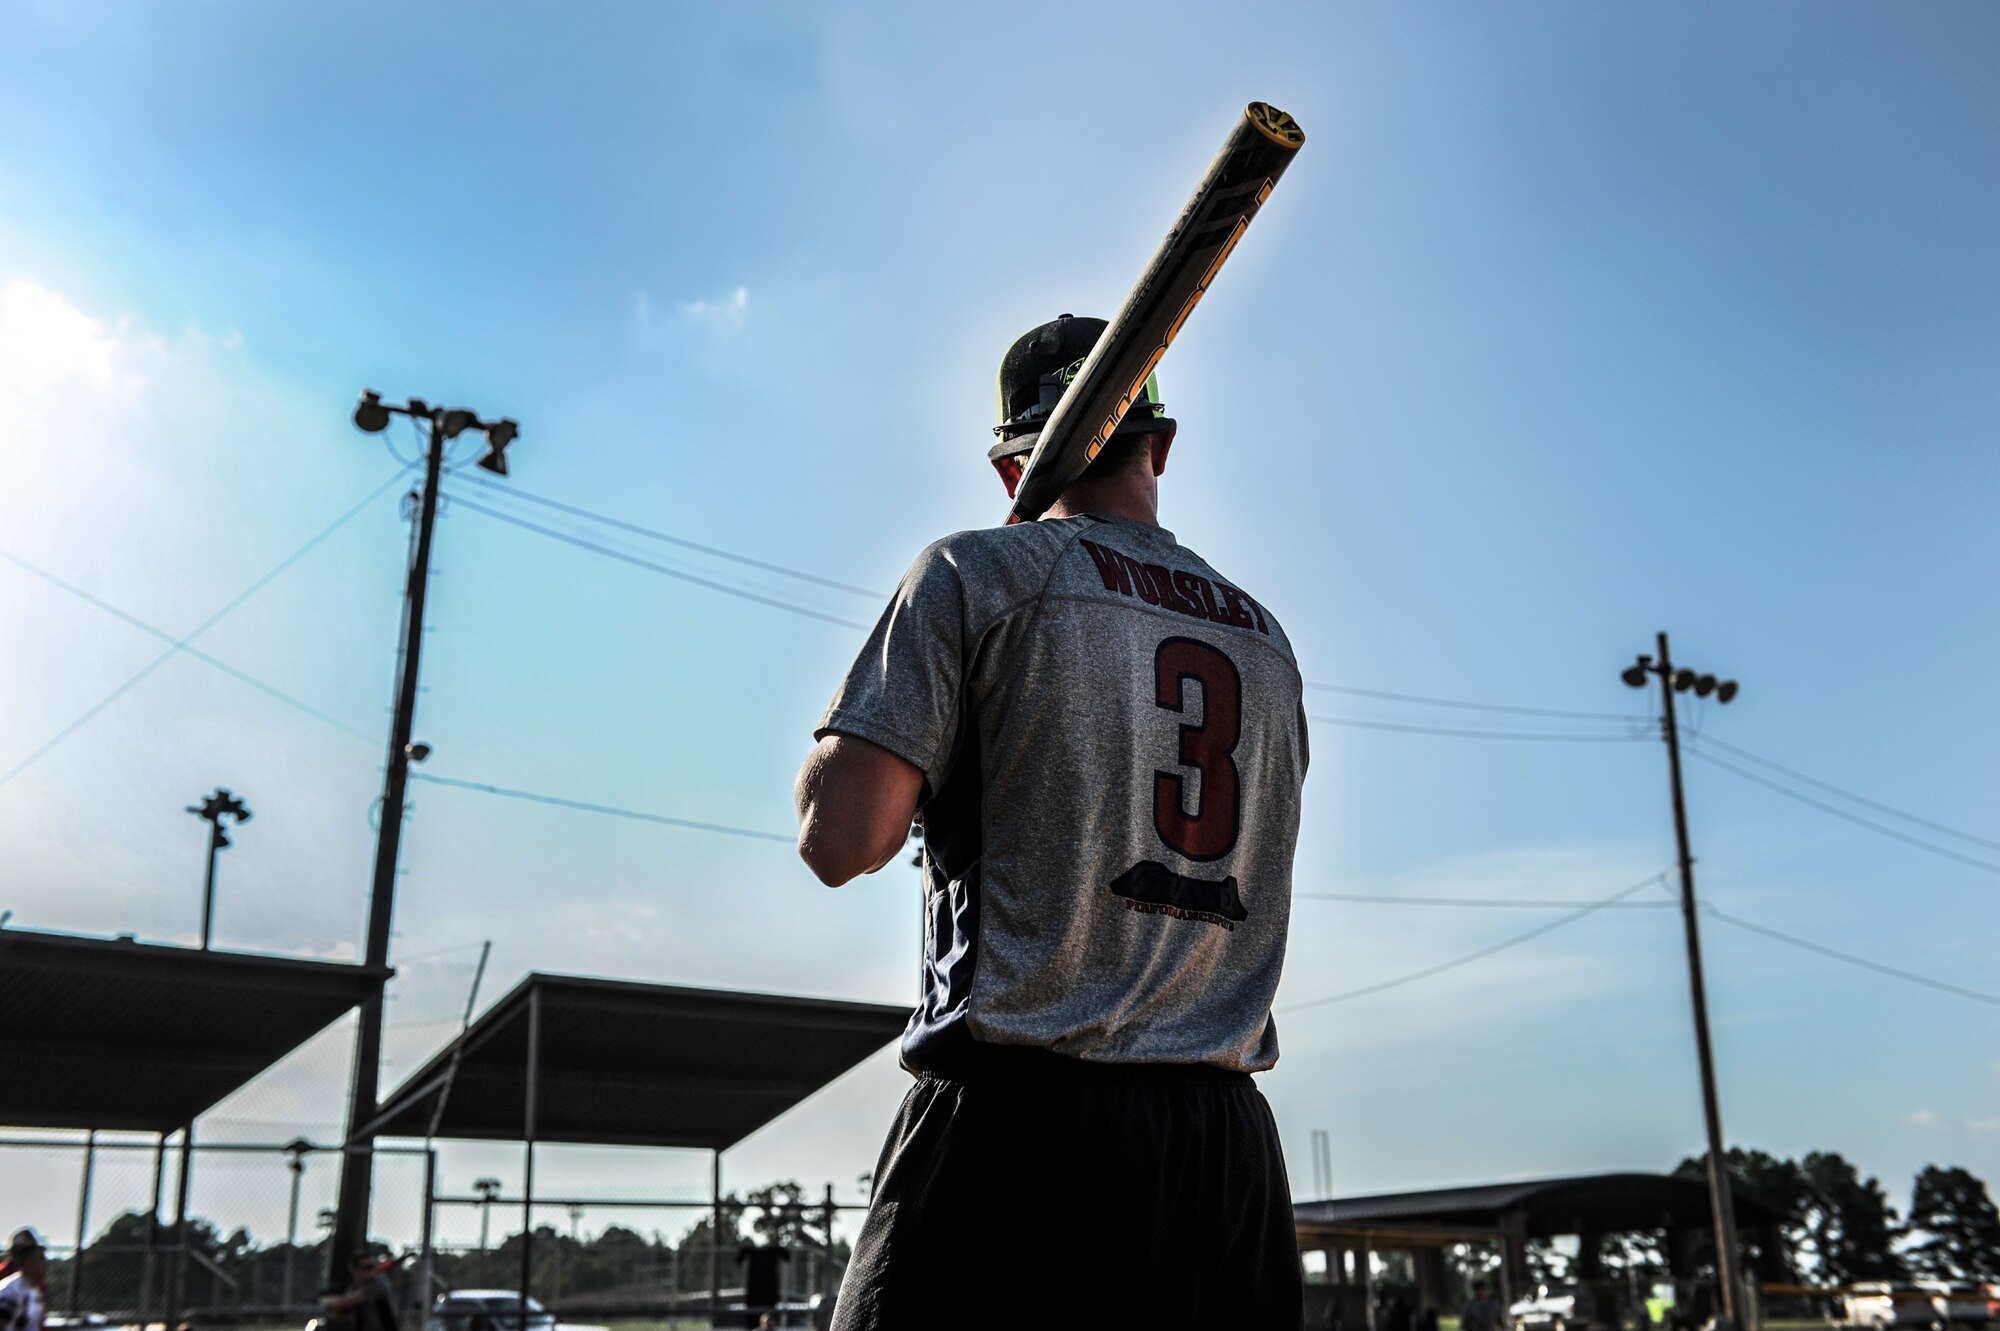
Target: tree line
1839,1227
1835,1226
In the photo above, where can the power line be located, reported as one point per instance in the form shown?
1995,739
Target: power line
1631,717
1843,814
658,535
179,645
1474,734
1852,960
605,809
620,555
1510,903
1848,794
1482,953
432,953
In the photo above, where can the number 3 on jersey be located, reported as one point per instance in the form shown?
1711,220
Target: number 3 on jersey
1209,832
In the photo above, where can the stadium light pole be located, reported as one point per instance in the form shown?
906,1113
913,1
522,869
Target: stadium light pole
350,1224
1721,1200
222,804
295,1151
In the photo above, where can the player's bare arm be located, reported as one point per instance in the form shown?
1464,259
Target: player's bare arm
855,802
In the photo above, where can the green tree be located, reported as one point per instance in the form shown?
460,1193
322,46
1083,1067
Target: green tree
1547,1265
1780,1185
786,1217
1954,1230
1640,1254
1849,1224
695,1245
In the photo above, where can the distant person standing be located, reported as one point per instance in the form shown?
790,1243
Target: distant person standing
369,1303
24,1294
760,1280
1482,1311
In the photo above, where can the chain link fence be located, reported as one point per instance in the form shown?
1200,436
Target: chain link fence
251,1250
219,1232
642,1263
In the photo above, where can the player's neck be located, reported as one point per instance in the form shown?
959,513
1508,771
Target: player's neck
1135,495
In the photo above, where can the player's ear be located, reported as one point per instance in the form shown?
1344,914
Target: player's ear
1010,472
1161,443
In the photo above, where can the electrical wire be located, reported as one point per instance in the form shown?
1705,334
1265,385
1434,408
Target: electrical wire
1511,903
1630,717
634,560
1473,734
633,527
1852,960
605,809
1843,814
435,952
179,645
389,442
1829,787
1482,953
183,644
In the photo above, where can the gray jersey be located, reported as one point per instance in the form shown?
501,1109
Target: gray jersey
1112,745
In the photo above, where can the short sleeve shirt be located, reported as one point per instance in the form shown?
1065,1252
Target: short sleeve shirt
378,1311
1113,749
22,1306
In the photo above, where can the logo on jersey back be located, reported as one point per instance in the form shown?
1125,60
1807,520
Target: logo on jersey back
1154,889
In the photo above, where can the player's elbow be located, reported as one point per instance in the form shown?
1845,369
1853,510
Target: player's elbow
833,858
855,802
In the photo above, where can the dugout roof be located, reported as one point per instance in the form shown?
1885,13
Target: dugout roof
117,1034
1592,1203
629,1064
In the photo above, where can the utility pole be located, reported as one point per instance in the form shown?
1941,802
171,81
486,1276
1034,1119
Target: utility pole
214,809
350,1229
1721,1200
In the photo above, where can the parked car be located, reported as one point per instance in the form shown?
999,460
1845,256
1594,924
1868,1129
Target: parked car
494,1310
1878,1304
1956,1303
1559,1308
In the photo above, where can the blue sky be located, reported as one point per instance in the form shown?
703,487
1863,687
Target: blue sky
1571,323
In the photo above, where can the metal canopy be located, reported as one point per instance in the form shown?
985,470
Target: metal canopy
628,1064
1592,1203
117,1034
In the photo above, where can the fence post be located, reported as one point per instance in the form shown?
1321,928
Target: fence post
149,1268
177,1279
427,1251
82,1224
715,1240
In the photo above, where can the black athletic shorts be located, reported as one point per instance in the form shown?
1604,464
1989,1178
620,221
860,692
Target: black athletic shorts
1026,1190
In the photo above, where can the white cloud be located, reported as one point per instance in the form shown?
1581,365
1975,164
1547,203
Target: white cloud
727,311
723,313
1924,1118
1979,1127
49,345
709,333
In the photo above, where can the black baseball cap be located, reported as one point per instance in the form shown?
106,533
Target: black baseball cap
1036,370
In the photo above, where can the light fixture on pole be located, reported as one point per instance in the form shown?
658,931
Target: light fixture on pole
1721,1200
